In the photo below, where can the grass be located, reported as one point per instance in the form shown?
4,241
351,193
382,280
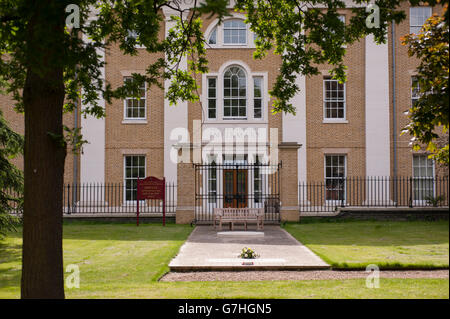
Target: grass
125,261
388,244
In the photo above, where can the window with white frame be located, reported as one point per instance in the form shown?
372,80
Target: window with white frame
212,181
334,99
423,176
212,97
257,180
335,174
213,37
231,33
257,97
134,169
415,90
134,37
417,18
135,108
234,93
234,32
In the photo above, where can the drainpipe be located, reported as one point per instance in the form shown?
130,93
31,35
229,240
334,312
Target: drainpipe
75,157
394,114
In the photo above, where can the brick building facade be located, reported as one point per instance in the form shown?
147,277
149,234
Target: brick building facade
340,130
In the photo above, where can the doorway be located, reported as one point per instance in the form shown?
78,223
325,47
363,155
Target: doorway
235,188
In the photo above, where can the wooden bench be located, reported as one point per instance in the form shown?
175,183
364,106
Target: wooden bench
239,215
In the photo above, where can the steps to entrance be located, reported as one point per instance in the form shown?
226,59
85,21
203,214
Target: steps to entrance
207,249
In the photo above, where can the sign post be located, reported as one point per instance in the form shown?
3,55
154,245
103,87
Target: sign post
151,188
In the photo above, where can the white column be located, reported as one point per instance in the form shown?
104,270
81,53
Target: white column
377,111
175,116
294,126
92,167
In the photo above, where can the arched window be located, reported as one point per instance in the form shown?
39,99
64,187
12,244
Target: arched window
213,37
234,93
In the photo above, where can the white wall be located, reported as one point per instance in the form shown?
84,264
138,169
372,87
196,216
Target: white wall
294,126
92,161
377,109
175,116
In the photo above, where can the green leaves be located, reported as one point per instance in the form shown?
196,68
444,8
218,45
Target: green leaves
429,114
309,33
11,178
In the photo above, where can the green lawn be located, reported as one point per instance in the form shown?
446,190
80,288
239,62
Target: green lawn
125,261
356,244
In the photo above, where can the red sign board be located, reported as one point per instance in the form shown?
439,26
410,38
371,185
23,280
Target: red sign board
151,188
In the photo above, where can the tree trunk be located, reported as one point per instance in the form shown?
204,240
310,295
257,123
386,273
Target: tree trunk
44,155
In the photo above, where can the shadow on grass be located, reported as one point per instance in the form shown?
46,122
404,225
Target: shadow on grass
10,253
87,230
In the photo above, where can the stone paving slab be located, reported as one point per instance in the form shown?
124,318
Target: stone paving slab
278,250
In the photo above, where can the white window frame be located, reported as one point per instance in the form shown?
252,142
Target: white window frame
247,94
215,29
125,200
250,96
219,28
127,119
414,98
233,43
333,201
422,200
261,98
262,181
411,10
331,119
212,158
208,98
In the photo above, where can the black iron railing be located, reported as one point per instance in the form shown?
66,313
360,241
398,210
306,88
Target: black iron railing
94,198
237,185
328,195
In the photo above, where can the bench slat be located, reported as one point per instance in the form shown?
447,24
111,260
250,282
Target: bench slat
245,215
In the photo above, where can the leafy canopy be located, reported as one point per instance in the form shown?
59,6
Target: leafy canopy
429,115
304,33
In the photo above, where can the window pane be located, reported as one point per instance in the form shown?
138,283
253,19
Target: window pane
335,177
235,87
212,37
235,32
212,97
418,16
135,108
134,168
334,99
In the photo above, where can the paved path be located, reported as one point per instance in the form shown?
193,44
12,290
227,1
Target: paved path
208,249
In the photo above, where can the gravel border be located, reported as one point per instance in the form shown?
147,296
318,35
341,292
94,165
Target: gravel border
297,275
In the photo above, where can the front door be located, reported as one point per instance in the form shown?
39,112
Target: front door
235,188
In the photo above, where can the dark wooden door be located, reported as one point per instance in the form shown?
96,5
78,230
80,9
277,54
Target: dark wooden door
235,185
